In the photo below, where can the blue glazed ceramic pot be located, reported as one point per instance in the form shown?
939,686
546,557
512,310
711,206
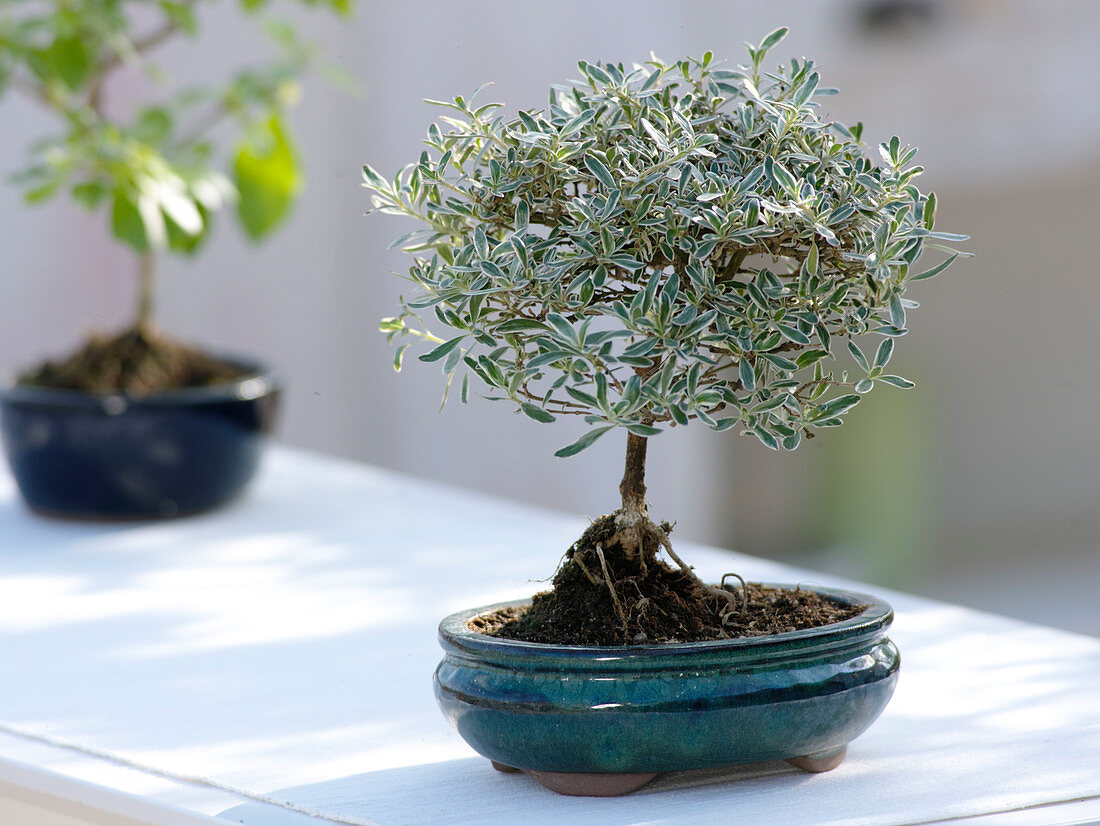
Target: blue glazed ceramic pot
572,711
115,456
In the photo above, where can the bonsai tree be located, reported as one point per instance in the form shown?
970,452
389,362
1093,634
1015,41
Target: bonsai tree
666,244
152,167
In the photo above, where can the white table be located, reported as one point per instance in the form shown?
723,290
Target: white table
268,664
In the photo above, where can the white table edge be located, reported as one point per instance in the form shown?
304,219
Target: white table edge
89,802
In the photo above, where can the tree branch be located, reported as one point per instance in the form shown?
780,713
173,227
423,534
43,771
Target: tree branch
203,124
151,40
138,46
30,89
632,487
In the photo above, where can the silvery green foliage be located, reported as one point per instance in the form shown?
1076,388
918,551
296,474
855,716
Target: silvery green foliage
673,242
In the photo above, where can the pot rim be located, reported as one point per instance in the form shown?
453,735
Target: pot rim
259,381
457,638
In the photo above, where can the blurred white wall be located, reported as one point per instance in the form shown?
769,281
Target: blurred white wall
995,452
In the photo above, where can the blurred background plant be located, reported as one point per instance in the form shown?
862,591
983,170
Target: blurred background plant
154,166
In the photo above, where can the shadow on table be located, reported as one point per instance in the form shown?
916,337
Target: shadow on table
883,781
990,716
469,791
272,643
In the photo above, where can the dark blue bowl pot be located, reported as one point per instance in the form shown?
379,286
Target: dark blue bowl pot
114,456
626,713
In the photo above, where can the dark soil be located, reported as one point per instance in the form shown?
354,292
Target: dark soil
656,603
138,361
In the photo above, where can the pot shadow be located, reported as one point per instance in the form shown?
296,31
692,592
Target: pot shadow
441,793
862,792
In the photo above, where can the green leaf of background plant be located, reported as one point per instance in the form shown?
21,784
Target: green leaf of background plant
126,223
42,193
181,208
187,242
89,194
69,60
181,14
267,176
152,219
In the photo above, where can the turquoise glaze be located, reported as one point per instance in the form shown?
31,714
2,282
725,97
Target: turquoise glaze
672,707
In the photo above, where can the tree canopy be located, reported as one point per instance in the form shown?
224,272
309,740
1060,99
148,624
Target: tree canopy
665,243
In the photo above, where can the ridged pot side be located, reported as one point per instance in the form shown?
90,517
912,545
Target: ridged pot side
667,708
114,456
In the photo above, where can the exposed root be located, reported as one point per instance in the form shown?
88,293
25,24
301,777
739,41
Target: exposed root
727,612
633,529
720,593
591,577
614,587
745,587
611,587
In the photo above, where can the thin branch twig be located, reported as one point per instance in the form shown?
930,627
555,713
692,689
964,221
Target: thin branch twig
138,46
30,89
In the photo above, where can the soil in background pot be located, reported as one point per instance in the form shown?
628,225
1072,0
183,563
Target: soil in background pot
138,361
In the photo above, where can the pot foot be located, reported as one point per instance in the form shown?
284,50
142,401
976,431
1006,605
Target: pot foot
581,784
819,762
504,767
